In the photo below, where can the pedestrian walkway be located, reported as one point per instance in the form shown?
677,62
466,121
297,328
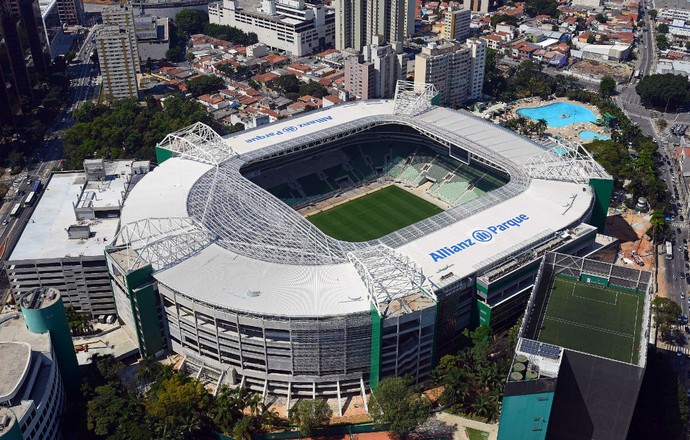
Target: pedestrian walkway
460,423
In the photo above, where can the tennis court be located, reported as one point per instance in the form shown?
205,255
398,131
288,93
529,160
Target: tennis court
604,321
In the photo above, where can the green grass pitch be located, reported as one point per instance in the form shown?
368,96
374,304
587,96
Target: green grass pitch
374,215
593,319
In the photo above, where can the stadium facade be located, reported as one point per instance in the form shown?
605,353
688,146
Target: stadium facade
579,365
216,262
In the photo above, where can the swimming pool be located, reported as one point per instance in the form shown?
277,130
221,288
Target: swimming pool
559,114
587,135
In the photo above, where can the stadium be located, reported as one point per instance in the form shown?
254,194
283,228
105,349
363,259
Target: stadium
320,254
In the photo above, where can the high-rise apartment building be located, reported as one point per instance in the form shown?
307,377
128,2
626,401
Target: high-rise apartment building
123,16
476,5
294,26
456,69
374,73
457,25
23,52
119,60
71,11
358,21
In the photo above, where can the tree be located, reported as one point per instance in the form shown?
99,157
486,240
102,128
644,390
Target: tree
314,89
662,42
601,18
591,39
607,86
652,14
398,404
286,84
229,33
503,18
310,416
666,312
541,7
204,84
664,91
662,28
174,54
191,21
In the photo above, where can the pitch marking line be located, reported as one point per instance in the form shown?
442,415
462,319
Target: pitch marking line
591,327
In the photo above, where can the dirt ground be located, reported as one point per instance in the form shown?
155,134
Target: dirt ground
630,228
596,69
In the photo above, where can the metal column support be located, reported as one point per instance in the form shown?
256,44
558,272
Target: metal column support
364,394
287,410
313,390
242,381
198,374
264,392
340,403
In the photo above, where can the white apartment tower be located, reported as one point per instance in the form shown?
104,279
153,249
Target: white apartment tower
375,72
123,16
457,70
358,21
457,25
293,26
118,60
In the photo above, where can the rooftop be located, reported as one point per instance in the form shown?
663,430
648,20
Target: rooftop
40,298
16,357
45,234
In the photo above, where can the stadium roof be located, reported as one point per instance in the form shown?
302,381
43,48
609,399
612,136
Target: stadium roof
259,255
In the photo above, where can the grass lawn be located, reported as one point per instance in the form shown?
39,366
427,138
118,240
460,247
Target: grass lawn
374,215
604,321
475,434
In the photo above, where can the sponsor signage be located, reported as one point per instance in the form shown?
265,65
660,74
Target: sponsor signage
288,129
479,237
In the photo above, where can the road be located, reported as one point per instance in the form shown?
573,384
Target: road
84,86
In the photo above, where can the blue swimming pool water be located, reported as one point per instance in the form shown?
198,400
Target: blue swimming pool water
587,135
559,114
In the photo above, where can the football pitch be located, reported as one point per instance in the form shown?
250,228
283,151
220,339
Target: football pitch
586,317
373,215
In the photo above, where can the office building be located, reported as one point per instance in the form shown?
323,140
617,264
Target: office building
375,72
24,52
456,69
71,12
123,16
358,21
37,364
457,25
293,26
118,58
581,352
62,243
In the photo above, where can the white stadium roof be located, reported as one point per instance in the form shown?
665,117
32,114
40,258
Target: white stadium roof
246,250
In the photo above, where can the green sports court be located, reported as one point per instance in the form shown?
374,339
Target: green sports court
374,215
587,317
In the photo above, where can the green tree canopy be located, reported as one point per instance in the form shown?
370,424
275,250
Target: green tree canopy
229,33
664,91
607,86
191,21
311,415
397,403
542,7
204,84
286,84
652,13
314,89
662,28
174,54
662,42
125,129
503,18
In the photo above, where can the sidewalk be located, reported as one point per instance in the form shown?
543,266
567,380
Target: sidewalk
460,423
